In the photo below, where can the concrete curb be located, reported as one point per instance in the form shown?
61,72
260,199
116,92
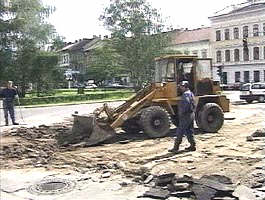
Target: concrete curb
72,103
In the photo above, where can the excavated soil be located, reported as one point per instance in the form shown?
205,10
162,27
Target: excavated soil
226,153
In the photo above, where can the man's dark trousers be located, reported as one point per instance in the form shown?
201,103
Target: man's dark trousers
186,127
9,107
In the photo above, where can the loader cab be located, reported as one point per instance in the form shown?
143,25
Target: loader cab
172,69
165,71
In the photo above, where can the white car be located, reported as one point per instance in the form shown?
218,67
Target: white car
253,92
91,86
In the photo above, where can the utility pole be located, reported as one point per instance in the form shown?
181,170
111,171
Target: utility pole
220,72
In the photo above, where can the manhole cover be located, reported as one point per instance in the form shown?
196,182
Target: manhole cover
52,186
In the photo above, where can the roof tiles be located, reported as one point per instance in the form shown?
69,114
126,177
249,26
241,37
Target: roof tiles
188,36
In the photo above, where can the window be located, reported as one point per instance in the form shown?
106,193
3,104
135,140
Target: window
264,52
246,76
246,54
256,53
255,30
204,53
227,55
195,52
227,36
262,86
245,88
255,86
170,71
263,28
218,56
218,35
245,31
224,77
258,86
65,59
256,76
264,74
236,33
236,55
237,77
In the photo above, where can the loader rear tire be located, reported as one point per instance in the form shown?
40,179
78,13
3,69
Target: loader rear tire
131,126
155,121
211,118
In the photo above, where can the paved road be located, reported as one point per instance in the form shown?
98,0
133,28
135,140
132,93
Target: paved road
54,114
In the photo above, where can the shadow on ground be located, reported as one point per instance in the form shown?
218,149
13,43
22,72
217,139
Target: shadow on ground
125,138
244,103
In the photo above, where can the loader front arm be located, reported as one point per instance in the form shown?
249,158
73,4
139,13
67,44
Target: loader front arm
132,109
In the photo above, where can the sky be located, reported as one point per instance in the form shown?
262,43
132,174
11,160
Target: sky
77,19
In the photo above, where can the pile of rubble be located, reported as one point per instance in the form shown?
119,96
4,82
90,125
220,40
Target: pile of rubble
35,146
208,187
257,135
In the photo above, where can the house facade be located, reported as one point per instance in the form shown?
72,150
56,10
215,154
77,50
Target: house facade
73,59
240,61
192,42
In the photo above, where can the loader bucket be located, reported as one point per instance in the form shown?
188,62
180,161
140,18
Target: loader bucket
92,132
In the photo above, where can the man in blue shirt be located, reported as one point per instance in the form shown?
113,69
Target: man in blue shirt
186,116
9,94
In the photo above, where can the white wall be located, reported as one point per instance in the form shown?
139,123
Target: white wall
199,46
247,18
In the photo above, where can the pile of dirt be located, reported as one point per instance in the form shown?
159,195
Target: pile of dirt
31,146
257,135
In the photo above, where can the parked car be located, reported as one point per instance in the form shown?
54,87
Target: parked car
91,86
233,86
238,85
117,85
78,85
226,86
253,92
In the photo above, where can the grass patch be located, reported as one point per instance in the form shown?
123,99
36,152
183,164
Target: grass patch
74,97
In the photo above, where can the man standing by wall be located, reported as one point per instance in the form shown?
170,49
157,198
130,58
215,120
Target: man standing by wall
186,118
9,94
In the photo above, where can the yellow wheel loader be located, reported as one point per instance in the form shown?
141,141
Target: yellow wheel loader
153,108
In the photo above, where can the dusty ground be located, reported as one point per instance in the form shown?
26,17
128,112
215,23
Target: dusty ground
225,153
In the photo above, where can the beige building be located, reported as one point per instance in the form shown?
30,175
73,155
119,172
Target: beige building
228,30
192,42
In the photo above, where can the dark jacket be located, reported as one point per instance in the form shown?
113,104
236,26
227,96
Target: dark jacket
8,94
186,109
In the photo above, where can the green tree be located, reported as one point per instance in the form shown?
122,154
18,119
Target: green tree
21,69
58,43
25,34
104,62
43,71
5,41
138,37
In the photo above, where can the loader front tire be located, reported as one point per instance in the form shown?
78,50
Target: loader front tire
210,118
155,121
